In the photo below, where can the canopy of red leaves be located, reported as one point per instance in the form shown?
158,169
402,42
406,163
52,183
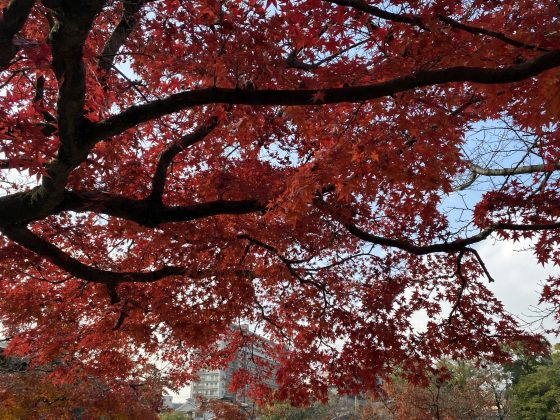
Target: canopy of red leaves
319,169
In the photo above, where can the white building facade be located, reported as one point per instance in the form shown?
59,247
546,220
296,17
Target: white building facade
214,384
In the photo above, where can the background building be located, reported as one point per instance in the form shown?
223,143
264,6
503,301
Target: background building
215,383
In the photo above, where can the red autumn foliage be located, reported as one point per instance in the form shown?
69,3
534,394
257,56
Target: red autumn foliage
32,394
224,410
172,168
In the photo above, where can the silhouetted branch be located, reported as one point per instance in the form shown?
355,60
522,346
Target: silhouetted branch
24,237
448,247
12,20
150,213
138,114
166,157
416,20
120,33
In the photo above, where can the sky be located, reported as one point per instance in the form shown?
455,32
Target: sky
517,276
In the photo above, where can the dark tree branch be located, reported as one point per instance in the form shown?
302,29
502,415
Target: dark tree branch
120,34
17,209
526,227
463,281
362,6
289,265
8,164
416,20
405,245
166,157
24,237
12,20
294,63
493,34
73,22
268,319
142,113
481,262
122,316
270,248
27,239
149,213
448,247
114,297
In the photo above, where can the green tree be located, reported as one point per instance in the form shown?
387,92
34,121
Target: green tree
526,362
536,395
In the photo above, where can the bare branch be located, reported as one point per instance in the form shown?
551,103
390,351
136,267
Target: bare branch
467,183
463,281
519,170
481,262
477,170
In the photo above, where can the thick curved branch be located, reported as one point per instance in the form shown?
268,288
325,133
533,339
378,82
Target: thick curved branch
141,113
416,20
467,183
149,213
476,170
23,208
166,157
24,237
454,246
120,34
362,6
520,170
405,245
73,23
12,20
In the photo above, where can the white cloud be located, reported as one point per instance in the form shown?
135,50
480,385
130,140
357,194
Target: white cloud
518,276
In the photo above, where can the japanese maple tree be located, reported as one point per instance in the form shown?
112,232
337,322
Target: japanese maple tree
173,168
